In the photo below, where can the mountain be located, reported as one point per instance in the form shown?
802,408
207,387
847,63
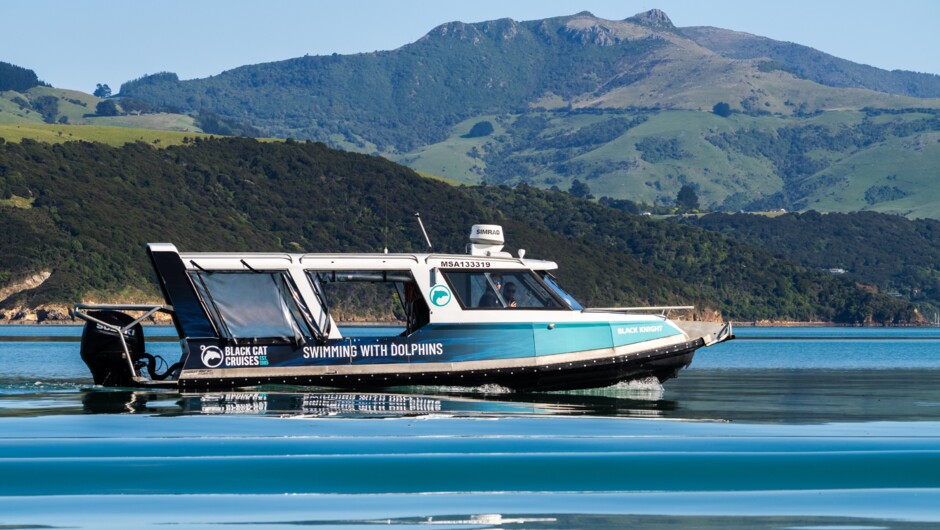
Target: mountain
76,217
634,108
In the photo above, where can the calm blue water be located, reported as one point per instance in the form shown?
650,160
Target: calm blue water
804,428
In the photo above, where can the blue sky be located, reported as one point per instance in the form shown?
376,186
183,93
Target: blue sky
76,44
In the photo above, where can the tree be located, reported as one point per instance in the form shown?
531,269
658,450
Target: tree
687,199
17,78
722,109
48,106
136,106
580,189
480,129
102,91
107,108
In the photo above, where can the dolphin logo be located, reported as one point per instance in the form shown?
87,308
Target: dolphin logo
211,356
440,295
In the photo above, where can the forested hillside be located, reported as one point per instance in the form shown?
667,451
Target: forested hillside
83,211
17,78
895,254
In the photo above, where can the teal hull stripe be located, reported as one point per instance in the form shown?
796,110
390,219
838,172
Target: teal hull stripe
447,343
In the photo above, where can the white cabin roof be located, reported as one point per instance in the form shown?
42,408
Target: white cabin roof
258,260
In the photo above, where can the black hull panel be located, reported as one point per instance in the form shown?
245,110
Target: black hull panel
662,363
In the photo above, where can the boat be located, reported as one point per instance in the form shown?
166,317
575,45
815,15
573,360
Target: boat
484,317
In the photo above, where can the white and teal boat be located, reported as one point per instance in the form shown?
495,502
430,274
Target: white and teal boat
485,317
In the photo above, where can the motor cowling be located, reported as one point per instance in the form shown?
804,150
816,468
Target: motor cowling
103,351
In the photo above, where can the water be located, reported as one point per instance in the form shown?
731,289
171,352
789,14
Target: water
806,428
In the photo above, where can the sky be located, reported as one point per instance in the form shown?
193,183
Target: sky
78,44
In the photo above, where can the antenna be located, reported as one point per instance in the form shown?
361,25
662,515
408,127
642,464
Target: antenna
386,214
423,231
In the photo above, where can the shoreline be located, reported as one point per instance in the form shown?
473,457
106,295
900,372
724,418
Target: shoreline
797,324
361,323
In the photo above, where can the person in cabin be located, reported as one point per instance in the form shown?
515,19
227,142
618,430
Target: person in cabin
488,299
509,294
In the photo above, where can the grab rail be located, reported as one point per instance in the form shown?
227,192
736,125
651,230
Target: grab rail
149,309
663,309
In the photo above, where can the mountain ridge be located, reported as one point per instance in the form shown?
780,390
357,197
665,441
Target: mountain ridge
799,59
579,77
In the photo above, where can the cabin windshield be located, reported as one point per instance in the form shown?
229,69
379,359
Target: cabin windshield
501,289
565,295
386,296
253,305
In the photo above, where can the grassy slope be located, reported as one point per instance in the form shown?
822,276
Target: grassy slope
114,136
451,158
705,162
688,76
909,164
78,108
717,173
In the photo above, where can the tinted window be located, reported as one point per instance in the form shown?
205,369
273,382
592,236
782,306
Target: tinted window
500,290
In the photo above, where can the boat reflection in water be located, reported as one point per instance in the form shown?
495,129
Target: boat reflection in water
633,400
758,396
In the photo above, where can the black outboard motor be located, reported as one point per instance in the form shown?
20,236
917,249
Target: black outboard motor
103,351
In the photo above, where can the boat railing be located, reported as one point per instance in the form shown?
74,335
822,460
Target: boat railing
663,310
148,311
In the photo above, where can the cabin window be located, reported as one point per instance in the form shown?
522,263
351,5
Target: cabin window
506,289
385,296
247,305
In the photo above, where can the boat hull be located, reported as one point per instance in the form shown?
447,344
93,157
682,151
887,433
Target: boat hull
591,371
524,356
567,371
517,357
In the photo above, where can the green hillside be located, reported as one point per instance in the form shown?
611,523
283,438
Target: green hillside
83,211
835,161
53,106
814,65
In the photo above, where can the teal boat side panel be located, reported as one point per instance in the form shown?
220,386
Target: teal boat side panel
567,338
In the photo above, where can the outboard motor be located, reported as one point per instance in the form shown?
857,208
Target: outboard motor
103,351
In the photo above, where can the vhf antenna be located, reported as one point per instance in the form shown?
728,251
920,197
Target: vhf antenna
423,231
